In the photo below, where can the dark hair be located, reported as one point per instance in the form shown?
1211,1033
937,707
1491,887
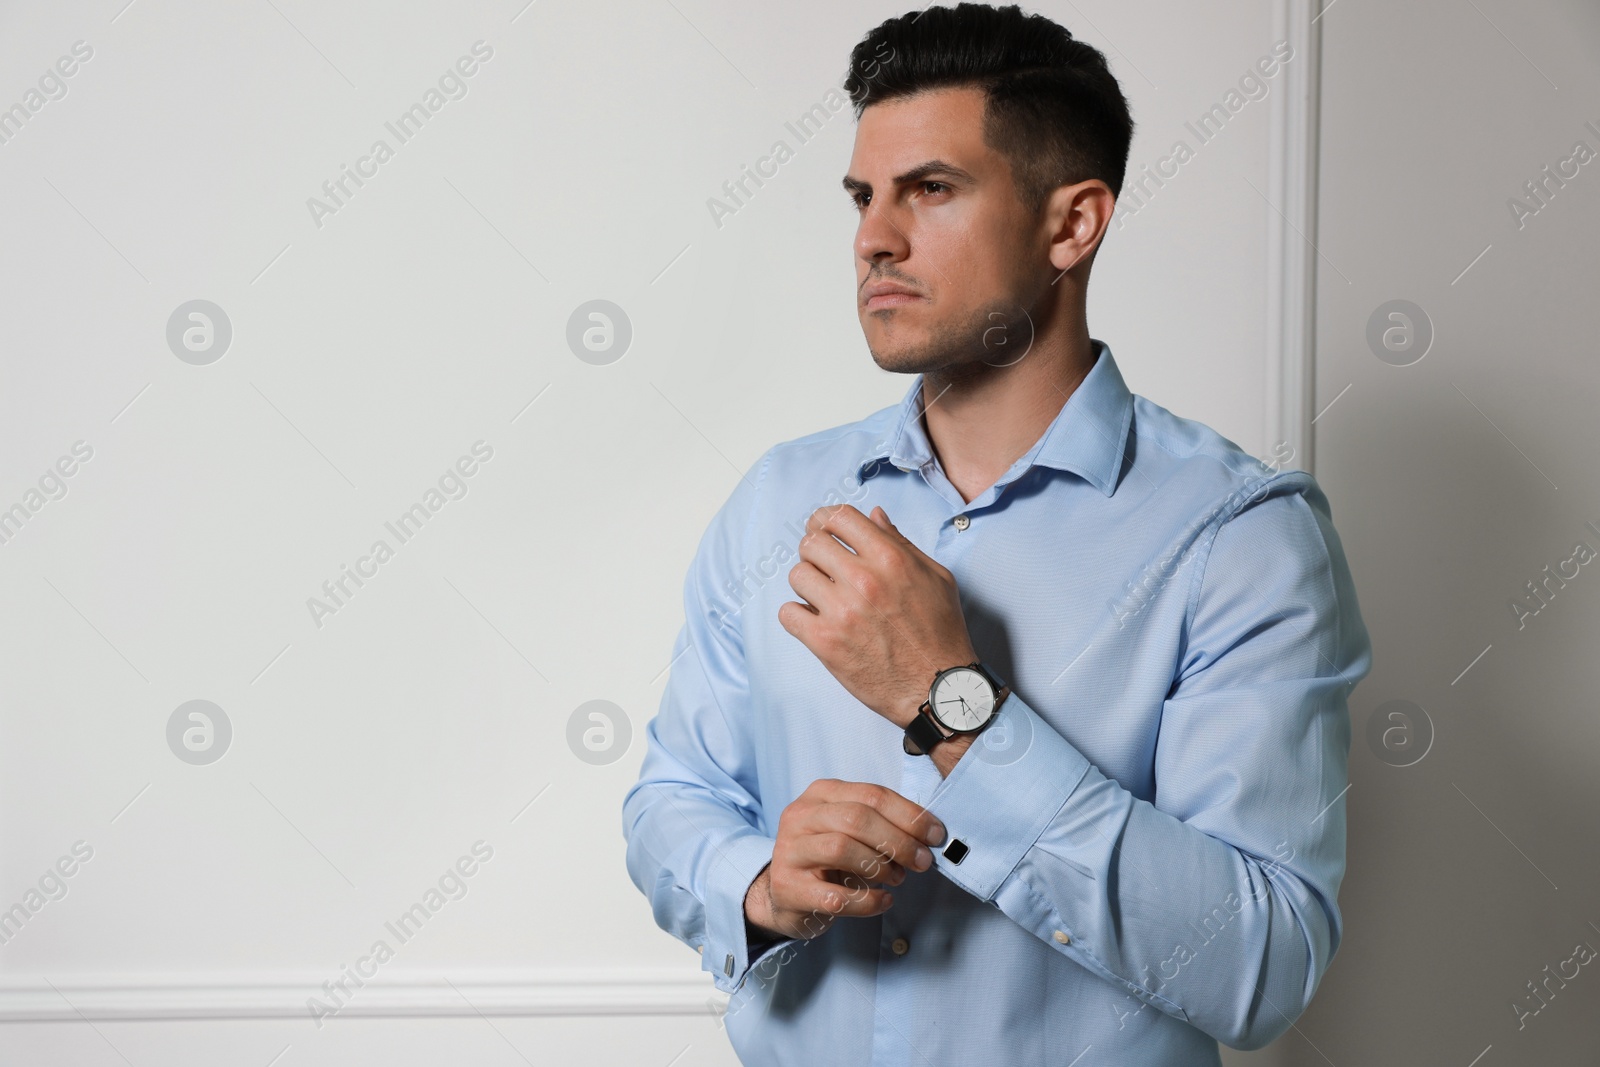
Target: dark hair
1053,108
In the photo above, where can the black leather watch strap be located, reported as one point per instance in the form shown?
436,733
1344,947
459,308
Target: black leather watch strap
921,735
993,675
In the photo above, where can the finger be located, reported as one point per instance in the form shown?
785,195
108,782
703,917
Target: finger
869,828
853,528
823,551
834,850
881,517
819,516
889,874
798,619
829,898
911,818
817,588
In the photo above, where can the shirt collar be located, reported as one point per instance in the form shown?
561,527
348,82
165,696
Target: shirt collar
1087,437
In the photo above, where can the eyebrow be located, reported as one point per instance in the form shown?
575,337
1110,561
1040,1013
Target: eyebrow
917,173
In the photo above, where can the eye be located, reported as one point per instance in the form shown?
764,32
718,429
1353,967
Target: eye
858,200
932,185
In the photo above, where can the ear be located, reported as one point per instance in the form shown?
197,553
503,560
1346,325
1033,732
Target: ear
1077,217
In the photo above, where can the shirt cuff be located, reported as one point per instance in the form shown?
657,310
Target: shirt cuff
1002,794
726,952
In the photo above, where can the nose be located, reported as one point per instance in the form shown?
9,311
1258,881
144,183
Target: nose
880,236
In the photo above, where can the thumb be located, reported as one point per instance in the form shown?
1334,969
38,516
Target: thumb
881,517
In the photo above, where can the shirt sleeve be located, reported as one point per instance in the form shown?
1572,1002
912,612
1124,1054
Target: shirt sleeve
693,819
1215,902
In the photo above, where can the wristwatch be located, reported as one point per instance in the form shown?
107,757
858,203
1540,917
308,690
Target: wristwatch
961,700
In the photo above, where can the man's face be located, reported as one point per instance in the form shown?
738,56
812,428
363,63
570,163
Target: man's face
940,217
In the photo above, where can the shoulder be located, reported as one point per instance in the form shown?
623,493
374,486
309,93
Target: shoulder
1217,477
1265,545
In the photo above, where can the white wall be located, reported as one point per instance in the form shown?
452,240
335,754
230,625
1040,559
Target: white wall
370,350
1456,479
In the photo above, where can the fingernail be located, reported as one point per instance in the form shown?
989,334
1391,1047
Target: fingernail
936,835
924,858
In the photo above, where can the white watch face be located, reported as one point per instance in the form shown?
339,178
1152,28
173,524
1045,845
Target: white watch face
963,699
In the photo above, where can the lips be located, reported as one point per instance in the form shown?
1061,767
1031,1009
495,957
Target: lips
888,294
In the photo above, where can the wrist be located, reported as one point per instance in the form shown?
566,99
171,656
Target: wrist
758,909
758,936
946,754
911,706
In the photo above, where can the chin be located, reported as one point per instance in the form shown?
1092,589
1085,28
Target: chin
894,347
897,359
909,352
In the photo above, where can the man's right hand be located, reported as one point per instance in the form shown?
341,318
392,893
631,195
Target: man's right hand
839,836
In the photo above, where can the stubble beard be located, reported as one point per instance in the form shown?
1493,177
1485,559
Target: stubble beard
985,341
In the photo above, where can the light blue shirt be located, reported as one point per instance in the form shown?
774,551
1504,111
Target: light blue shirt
1154,822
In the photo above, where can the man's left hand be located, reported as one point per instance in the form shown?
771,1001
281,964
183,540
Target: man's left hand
881,614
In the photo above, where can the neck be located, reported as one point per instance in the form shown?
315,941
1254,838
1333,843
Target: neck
981,422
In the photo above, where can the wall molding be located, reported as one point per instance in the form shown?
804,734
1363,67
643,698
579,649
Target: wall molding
256,994
1291,233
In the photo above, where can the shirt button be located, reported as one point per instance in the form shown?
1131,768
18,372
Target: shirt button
900,946
1061,936
962,522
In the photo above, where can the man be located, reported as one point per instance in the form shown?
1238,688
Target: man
1046,764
